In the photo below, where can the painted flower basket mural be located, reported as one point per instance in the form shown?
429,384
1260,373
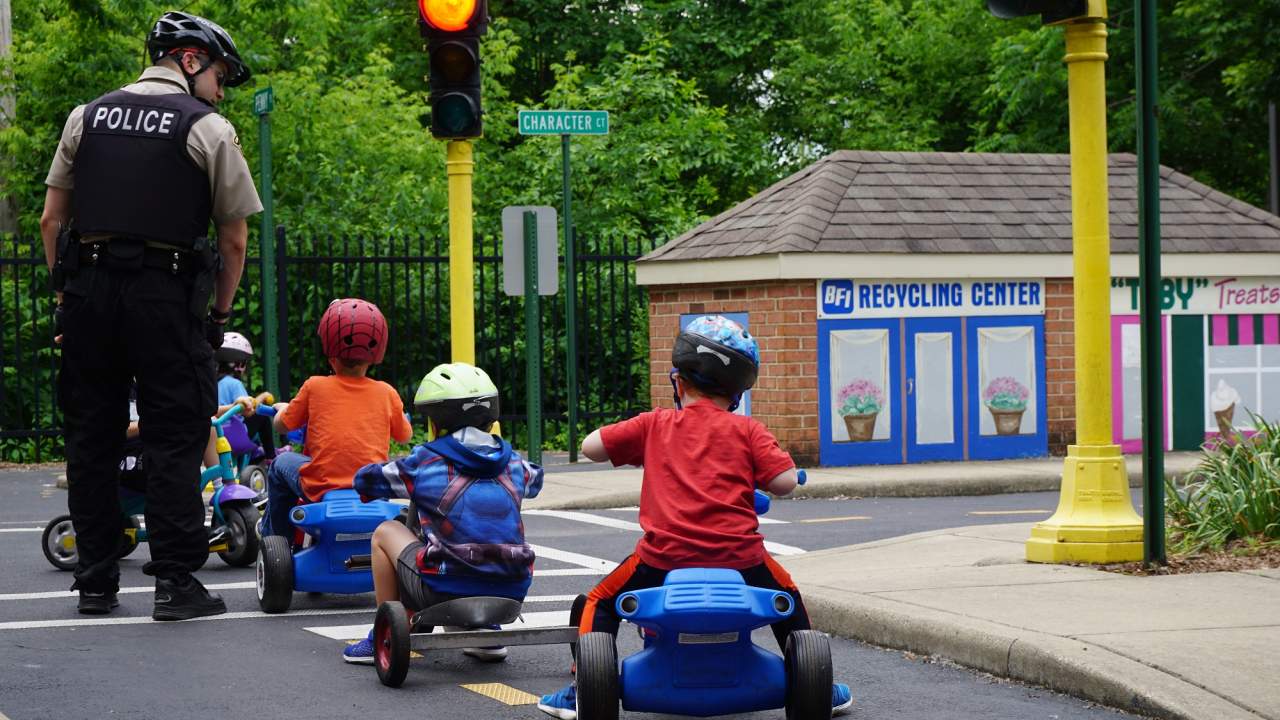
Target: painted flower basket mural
1006,398
860,402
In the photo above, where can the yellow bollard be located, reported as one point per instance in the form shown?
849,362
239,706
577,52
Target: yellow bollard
1095,521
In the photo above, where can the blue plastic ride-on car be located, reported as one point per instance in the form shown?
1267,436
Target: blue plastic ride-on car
698,657
334,555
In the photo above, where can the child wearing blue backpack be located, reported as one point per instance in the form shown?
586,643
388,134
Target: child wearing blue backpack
467,486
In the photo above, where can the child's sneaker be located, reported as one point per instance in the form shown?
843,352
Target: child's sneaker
563,704
841,699
492,653
360,653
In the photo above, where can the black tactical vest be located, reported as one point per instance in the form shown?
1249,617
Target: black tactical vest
133,175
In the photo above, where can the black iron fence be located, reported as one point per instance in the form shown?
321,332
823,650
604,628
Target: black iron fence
408,278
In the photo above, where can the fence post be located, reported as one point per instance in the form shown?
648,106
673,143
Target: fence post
282,315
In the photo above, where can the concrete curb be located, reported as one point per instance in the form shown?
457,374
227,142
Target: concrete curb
1067,665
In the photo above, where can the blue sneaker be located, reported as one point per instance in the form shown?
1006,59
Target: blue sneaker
563,704
841,699
360,653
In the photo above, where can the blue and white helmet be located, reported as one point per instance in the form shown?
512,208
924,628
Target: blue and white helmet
718,355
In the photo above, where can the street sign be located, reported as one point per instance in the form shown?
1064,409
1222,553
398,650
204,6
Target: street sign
513,249
564,122
264,101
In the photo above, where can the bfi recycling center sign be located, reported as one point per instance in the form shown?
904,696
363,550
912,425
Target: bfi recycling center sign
856,298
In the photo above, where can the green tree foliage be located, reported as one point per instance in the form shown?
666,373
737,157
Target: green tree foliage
710,101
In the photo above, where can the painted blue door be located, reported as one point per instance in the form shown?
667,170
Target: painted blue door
934,402
1006,387
860,396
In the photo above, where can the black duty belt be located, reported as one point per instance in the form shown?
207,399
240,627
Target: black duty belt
100,254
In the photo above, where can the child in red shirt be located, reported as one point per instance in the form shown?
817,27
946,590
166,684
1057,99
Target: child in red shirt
702,465
350,418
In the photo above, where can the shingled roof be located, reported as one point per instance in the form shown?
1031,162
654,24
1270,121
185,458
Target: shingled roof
901,202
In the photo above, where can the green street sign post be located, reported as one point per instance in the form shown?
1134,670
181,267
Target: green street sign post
263,103
565,123
529,269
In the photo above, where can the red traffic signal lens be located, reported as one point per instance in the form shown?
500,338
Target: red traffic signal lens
450,15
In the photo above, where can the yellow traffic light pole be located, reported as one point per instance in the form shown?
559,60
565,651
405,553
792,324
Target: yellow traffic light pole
1095,521
462,327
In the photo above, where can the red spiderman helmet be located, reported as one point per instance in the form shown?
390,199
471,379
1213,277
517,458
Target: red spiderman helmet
353,329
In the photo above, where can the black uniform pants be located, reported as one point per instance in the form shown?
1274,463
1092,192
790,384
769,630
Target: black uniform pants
122,324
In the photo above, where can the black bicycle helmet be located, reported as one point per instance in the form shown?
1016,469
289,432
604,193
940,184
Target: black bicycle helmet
178,30
717,355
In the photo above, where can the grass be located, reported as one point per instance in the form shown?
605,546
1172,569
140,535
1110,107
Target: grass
1232,495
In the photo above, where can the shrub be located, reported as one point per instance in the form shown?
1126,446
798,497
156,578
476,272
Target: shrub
1234,493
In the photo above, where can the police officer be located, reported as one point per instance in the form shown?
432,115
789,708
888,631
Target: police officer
138,176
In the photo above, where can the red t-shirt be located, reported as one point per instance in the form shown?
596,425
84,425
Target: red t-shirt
701,467
350,422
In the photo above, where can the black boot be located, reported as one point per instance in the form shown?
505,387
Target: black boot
97,602
183,598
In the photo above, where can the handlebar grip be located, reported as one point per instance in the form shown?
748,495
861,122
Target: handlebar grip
266,410
265,398
801,477
762,502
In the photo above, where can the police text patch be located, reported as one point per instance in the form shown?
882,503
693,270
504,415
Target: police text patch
114,119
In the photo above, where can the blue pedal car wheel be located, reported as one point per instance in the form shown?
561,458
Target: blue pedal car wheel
808,664
597,677
275,575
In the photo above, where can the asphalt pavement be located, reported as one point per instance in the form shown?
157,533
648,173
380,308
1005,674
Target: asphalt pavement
58,664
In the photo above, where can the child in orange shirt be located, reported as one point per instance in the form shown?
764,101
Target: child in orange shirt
349,417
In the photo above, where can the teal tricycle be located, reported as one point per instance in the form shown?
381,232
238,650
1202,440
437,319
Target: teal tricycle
232,520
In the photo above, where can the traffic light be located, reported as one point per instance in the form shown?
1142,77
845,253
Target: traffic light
1050,11
453,29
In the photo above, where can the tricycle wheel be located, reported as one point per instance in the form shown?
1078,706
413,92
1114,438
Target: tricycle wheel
808,664
597,677
275,575
59,543
391,643
254,478
242,540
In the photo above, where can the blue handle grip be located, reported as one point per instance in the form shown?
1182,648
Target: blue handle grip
801,477
762,502
266,410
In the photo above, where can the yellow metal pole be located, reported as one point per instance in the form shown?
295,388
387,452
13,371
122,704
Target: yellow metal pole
462,325
1095,521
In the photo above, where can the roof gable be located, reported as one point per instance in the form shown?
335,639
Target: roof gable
901,202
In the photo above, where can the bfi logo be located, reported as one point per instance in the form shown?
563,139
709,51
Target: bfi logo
837,297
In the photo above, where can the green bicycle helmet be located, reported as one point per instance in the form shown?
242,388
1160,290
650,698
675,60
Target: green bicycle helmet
457,395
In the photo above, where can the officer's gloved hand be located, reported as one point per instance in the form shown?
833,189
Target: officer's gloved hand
213,332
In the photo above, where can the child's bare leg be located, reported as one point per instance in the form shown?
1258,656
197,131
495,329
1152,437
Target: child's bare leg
389,540
211,449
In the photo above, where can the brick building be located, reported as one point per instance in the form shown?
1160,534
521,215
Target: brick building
918,306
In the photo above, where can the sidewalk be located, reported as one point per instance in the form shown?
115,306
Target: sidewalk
1190,647
1203,646
596,485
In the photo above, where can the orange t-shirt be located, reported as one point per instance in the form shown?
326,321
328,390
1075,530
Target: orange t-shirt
350,421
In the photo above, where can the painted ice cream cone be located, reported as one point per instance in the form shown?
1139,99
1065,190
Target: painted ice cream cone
1222,401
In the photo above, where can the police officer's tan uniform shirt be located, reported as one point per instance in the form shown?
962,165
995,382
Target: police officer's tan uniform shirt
212,144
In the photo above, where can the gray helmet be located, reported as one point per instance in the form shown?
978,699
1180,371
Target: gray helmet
178,29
